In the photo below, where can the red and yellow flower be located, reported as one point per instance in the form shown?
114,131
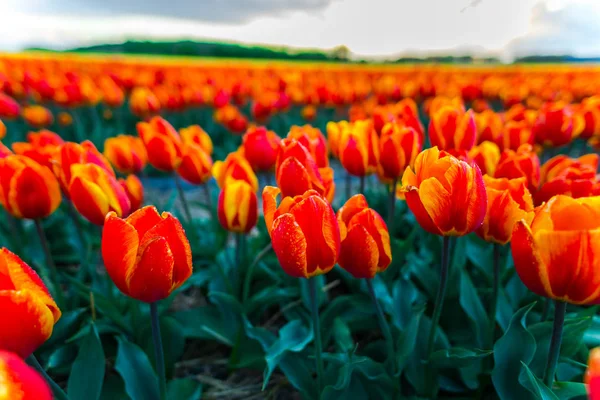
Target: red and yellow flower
592,375
126,153
452,129
486,155
70,154
143,102
304,232
195,134
4,151
147,254
135,191
556,255
26,304
235,167
20,381
571,177
196,164
9,108
359,148
398,149
365,240
446,195
37,116
312,138
260,147
515,134
237,207
557,125
162,142
489,126
521,163
41,146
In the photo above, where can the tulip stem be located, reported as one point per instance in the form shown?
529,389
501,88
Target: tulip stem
314,305
158,351
59,394
84,266
495,292
184,203
560,309
250,272
54,283
384,326
392,207
207,195
362,185
348,185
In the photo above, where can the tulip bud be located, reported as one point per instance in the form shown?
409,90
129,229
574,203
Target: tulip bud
260,148
486,155
359,149
9,108
521,163
134,190
237,206
196,165
314,141
234,167
126,153
195,134
143,102
162,142
20,381
37,116
398,148
452,129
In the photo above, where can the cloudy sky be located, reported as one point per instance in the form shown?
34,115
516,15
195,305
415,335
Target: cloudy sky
373,28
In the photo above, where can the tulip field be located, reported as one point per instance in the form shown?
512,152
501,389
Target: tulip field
188,228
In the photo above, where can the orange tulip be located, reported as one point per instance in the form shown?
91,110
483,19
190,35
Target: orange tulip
365,240
509,201
143,102
70,154
64,119
489,126
296,171
556,125
556,255
147,254
486,155
236,167
135,191
314,141
334,133
572,177
41,147
27,306
162,142
237,207
359,148
398,148
20,381
196,165
592,375
516,134
195,134
309,113
523,162
95,193
9,108
126,153
27,189
304,232
37,116
446,195
452,129
590,112
260,148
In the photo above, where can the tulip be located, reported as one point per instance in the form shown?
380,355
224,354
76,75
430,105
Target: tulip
162,142
304,248
143,102
309,113
359,149
260,148
196,164
195,134
555,257
26,305
516,134
20,381
70,154
398,148
9,108
486,155
521,163
334,133
572,177
556,125
126,153
236,167
237,208
64,119
592,375
41,147
489,126
4,151
95,193
37,116
314,141
27,189
407,112
135,191
147,255
296,171
452,129
590,112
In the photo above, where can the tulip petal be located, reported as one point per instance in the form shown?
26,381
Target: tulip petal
269,196
144,219
292,178
527,260
359,253
289,244
377,229
413,200
152,278
89,199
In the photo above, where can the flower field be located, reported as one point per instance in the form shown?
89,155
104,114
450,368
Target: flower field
183,229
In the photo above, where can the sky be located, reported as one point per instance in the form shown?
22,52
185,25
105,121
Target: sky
370,28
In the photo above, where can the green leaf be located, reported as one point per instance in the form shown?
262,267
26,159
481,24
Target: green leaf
134,367
407,340
570,390
471,304
293,337
458,357
87,373
173,341
515,347
184,389
66,326
535,385
205,323
342,336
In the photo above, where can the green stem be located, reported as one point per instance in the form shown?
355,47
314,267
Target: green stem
240,257
362,185
560,309
495,292
384,326
207,195
348,185
250,272
55,284
158,351
184,203
314,305
84,268
59,394
392,207
439,301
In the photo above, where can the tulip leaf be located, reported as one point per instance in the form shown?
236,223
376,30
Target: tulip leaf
473,307
184,389
407,340
515,347
342,336
134,367
570,390
358,368
535,385
458,357
87,373
205,323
